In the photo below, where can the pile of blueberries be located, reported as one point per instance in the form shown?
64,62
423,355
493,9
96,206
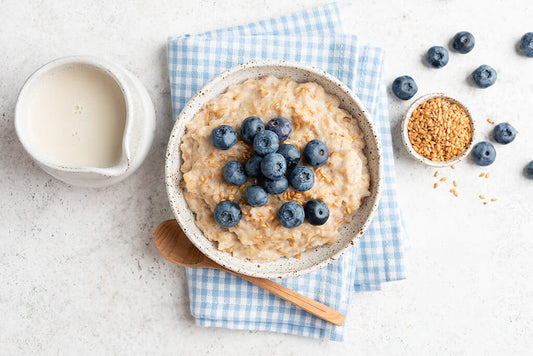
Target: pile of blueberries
275,166
484,76
483,153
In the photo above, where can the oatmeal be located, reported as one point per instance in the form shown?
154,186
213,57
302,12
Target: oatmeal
342,183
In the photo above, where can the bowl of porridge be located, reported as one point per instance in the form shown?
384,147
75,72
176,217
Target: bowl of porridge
318,107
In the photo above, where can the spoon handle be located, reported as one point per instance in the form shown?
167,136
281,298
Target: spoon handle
312,306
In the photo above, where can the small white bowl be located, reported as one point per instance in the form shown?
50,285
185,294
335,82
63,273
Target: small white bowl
405,135
138,131
318,257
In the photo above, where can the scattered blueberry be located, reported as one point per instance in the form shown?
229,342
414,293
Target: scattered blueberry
291,214
234,173
316,153
484,76
483,153
223,137
437,56
250,127
227,213
404,87
291,154
463,42
302,178
276,186
281,126
266,142
504,133
316,212
252,168
526,44
529,170
273,166
256,196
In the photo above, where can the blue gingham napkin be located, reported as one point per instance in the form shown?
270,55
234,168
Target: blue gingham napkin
314,37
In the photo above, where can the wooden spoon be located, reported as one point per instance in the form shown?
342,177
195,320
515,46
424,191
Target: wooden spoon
176,247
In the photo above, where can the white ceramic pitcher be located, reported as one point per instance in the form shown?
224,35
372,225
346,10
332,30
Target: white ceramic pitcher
138,131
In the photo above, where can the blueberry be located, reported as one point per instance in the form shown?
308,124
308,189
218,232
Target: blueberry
252,168
302,178
484,76
316,212
529,169
276,186
291,214
250,127
504,133
223,137
463,42
291,154
483,153
526,44
234,173
281,126
404,87
227,213
273,166
266,142
256,196
437,56
316,153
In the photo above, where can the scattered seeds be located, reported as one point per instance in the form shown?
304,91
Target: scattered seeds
452,166
493,199
490,121
481,197
443,179
454,183
436,174
482,175
298,256
487,175
435,186
484,203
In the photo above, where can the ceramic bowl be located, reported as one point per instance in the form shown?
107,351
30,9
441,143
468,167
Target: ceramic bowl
407,143
311,260
138,131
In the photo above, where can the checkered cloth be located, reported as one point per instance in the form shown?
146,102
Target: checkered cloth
313,37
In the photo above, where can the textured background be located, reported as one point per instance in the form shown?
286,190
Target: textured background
78,270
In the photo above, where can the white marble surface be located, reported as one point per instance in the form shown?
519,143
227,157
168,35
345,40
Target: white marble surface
78,269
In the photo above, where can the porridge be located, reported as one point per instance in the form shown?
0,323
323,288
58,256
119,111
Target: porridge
341,183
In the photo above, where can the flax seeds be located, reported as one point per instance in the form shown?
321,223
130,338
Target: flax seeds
439,129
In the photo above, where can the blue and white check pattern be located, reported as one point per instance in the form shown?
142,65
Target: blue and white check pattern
314,37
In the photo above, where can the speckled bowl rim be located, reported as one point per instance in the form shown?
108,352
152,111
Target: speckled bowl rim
283,267
407,143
